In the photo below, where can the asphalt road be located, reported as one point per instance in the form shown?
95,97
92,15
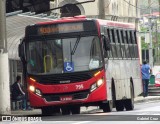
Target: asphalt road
144,113
147,111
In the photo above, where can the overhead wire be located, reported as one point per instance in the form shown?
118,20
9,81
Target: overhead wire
139,7
136,6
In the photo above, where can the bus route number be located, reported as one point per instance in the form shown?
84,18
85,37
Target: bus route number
79,87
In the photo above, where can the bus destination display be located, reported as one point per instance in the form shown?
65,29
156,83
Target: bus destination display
61,28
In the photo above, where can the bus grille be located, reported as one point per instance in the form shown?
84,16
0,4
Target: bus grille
75,96
65,77
56,79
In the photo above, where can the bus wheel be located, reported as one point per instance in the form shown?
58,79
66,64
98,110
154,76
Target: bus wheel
107,107
75,109
119,105
65,110
46,111
56,110
129,103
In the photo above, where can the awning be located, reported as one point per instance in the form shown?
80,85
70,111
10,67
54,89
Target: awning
16,24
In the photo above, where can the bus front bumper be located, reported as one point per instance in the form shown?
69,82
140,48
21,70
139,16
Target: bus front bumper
80,98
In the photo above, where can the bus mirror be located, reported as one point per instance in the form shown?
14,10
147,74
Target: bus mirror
106,43
21,50
94,64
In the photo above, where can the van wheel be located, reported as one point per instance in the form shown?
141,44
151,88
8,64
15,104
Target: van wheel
129,103
119,105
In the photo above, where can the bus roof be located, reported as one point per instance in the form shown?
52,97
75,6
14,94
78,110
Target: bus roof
64,19
82,18
116,24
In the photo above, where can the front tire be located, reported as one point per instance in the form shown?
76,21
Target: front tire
75,109
65,110
46,111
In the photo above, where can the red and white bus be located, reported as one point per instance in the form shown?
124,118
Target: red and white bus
76,61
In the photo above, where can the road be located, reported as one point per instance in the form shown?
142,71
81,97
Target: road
142,112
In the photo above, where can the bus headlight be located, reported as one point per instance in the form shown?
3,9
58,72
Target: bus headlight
32,88
93,87
38,92
99,82
96,85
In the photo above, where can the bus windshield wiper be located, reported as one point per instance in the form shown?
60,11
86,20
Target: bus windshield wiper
75,46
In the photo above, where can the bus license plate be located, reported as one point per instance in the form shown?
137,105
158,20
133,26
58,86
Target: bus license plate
66,98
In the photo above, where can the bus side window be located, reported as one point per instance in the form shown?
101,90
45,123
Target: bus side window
132,43
135,44
124,37
126,44
111,40
122,44
107,34
128,37
135,36
120,34
132,37
113,45
118,45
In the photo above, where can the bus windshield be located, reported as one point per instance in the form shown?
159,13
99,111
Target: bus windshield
56,56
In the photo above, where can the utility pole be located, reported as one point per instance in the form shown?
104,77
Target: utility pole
138,27
150,37
101,9
151,44
4,65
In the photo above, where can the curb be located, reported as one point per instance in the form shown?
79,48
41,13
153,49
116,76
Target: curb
145,99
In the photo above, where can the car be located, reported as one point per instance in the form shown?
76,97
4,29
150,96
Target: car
157,80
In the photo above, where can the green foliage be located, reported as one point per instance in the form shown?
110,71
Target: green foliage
143,44
144,29
155,36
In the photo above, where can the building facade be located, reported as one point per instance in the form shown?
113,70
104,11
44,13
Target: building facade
116,10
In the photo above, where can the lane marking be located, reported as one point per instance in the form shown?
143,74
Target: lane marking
83,122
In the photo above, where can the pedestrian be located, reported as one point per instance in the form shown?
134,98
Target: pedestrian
146,71
17,93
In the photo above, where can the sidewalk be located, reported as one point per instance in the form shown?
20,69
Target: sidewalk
83,109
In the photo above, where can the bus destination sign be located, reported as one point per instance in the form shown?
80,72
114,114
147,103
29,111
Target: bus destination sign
61,28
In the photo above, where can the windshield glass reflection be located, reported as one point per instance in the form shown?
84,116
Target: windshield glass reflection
57,56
